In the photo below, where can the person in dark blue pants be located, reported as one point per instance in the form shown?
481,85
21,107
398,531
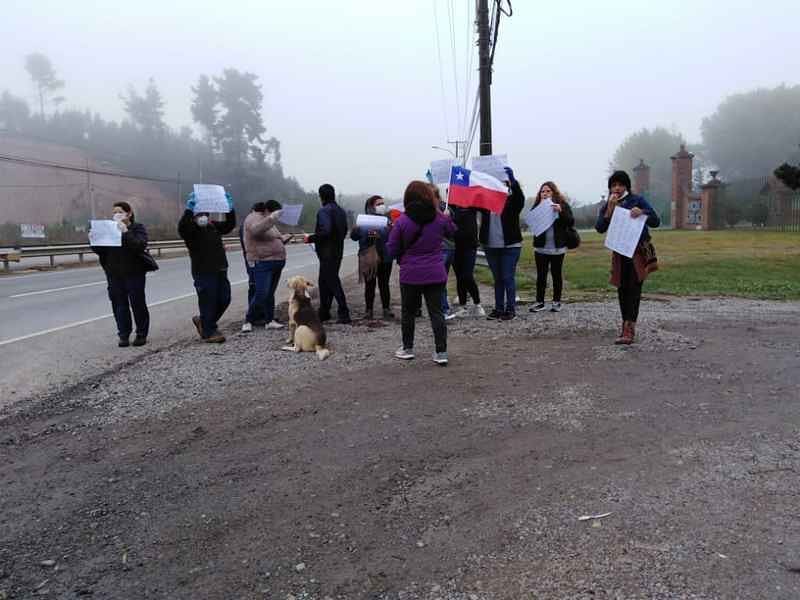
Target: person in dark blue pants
203,238
125,274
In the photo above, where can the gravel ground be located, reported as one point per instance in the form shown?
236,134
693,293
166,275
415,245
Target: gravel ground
242,471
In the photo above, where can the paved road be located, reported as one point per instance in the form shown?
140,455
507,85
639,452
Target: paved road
55,326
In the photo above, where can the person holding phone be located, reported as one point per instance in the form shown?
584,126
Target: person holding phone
550,247
628,274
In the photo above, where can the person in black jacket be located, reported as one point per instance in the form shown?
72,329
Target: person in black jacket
328,239
550,247
466,251
371,274
125,273
203,238
501,237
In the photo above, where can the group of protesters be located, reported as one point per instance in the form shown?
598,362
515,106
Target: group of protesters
426,239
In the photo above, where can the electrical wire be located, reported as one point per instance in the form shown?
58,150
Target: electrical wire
441,70
53,165
452,22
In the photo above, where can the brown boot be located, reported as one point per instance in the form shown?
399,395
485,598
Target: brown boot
622,334
627,334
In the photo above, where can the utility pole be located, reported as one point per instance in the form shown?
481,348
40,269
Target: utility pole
463,144
485,93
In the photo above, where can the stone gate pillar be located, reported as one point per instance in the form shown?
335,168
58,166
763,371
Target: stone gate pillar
681,186
641,178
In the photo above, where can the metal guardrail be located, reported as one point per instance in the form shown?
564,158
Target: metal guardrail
9,255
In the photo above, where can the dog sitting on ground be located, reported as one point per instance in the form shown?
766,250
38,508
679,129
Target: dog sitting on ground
306,333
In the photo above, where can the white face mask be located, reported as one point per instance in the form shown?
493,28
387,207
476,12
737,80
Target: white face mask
380,209
118,217
202,220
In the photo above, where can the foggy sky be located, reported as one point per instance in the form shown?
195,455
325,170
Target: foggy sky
352,87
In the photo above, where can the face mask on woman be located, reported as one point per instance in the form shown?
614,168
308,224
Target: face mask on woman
202,220
119,217
380,209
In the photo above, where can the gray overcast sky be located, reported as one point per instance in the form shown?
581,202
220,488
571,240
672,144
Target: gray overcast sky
352,87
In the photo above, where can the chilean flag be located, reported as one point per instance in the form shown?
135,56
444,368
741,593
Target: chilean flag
473,189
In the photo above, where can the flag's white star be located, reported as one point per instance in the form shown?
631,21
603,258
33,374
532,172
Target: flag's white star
460,175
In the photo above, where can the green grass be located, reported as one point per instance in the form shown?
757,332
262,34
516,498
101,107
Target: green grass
750,264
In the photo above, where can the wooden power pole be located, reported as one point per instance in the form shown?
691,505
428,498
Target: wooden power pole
485,83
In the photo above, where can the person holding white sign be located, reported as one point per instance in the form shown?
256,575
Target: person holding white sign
550,247
374,264
628,274
203,238
125,271
266,257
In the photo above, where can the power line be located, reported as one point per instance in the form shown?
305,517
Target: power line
53,165
43,185
441,70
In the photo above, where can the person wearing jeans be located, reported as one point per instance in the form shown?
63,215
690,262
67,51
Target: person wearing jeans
416,242
266,258
448,254
125,276
550,247
501,237
203,239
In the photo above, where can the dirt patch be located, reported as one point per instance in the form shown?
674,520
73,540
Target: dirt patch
246,472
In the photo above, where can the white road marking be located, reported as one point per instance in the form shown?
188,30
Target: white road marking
151,305
61,289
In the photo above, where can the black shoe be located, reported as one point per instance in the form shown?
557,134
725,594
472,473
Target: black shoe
324,316
124,342
537,308
369,315
344,321
140,340
508,316
494,315
388,315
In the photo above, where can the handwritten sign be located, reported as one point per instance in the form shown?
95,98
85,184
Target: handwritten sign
105,233
493,164
541,218
624,232
210,198
440,171
290,214
32,231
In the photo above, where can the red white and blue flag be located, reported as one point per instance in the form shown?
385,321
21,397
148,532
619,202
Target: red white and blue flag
473,189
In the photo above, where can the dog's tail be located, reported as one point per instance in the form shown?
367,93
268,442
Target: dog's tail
322,352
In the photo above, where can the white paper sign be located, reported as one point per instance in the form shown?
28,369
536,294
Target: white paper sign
540,219
105,233
623,232
290,214
492,164
440,171
372,221
210,198
32,231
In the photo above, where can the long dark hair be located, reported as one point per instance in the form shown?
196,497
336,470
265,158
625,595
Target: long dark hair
126,207
557,195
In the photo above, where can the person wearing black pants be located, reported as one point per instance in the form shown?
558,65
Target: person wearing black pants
372,249
328,239
411,299
125,276
550,247
203,238
466,251
628,274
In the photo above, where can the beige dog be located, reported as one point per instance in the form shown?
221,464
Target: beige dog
306,333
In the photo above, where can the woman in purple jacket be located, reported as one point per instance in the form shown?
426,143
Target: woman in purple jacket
416,243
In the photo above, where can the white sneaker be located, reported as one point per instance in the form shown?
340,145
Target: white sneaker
247,327
440,358
477,311
462,312
274,325
555,307
449,316
404,354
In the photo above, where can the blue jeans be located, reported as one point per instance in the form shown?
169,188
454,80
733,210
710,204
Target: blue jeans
213,298
267,274
447,258
503,263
